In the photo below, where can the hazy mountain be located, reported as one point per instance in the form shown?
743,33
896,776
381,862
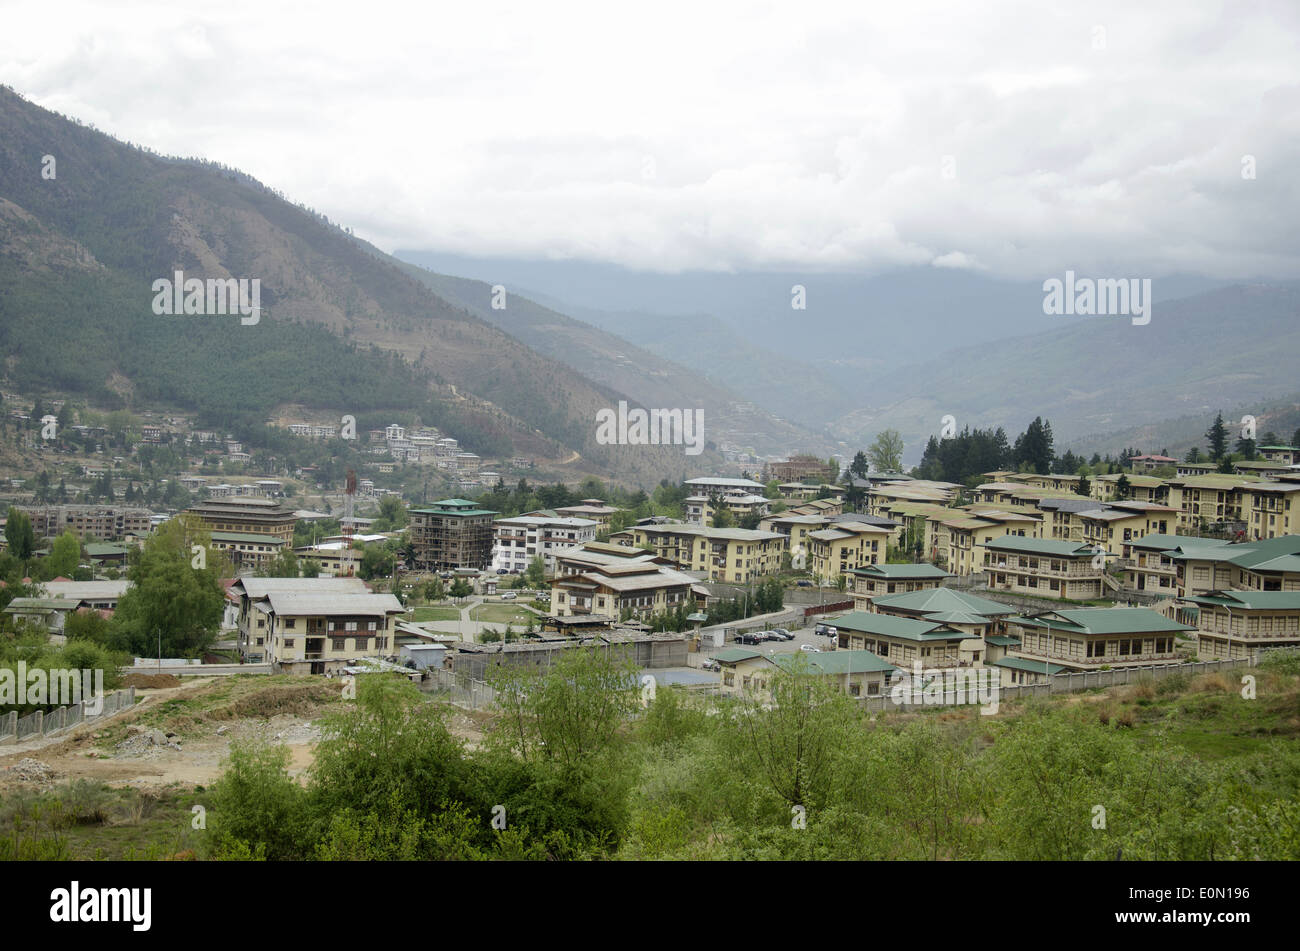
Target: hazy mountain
342,327
647,378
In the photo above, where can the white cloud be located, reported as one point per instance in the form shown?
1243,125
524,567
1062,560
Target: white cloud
807,135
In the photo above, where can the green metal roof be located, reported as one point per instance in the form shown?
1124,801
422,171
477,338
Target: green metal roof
1002,640
836,662
889,625
734,655
1104,621
937,600
1252,600
896,572
1040,546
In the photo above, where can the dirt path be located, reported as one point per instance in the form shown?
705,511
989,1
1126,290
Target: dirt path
120,752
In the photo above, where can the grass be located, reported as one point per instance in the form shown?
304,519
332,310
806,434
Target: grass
435,614
502,614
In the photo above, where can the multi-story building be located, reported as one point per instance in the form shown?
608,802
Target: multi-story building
845,546
251,531
451,534
800,467
1046,568
106,522
734,555
1235,624
594,509
958,534
1271,509
1115,523
313,625
1286,455
903,641
520,539
700,509
1093,638
1212,499
634,588
969,613
1193,566
874,581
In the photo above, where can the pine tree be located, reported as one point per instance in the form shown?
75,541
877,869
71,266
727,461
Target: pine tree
1217,437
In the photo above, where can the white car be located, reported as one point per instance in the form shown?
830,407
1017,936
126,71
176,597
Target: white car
509,596
810,649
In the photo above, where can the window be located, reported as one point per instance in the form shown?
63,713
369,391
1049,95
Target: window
290,624
339,643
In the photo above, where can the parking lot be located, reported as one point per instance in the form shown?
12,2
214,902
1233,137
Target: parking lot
803,635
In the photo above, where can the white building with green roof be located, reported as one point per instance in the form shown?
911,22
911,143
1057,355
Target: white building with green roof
1236,624
1097,638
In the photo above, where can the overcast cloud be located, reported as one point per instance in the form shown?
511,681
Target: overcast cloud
1106,137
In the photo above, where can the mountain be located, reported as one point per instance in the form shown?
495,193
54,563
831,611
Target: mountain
1221,348
644,375
343,326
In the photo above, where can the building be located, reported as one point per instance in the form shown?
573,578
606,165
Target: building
1093,638
721,485
843,547
520,539
594,509
312,625
873,581
105,522
799,468
976,616
1111,525
1271,509
736,555
1047,568
451,534
903,641
1149,462
1236,624
97,595
250,531
635,588
1201,565
956,536
1285,455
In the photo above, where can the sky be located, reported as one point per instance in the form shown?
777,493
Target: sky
1013,139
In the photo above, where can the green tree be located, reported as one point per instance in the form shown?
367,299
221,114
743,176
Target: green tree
1217,437
886,453
19,535
64,557
284,564
170,597
535,573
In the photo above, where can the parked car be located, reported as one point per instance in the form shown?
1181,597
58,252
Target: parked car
810,649
501,571
710,665
804,584
782,634
509,596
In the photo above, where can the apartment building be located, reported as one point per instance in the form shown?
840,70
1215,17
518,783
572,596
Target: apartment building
873,581
1093,638
1286,455
959,534
1141,488
1114,524
858,673
735,555
518,540
799,468
1236,624
722,485
594,509
105,522
845,546
903,641
313,625
452,534
634,588
250,531
1271,564
700,509
1213,499
1271,509
969,613
1046,568
1149,565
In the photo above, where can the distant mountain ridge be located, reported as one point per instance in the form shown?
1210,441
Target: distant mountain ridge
344,326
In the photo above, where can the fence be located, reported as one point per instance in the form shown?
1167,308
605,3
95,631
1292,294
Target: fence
16,729
1069,682
459,688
